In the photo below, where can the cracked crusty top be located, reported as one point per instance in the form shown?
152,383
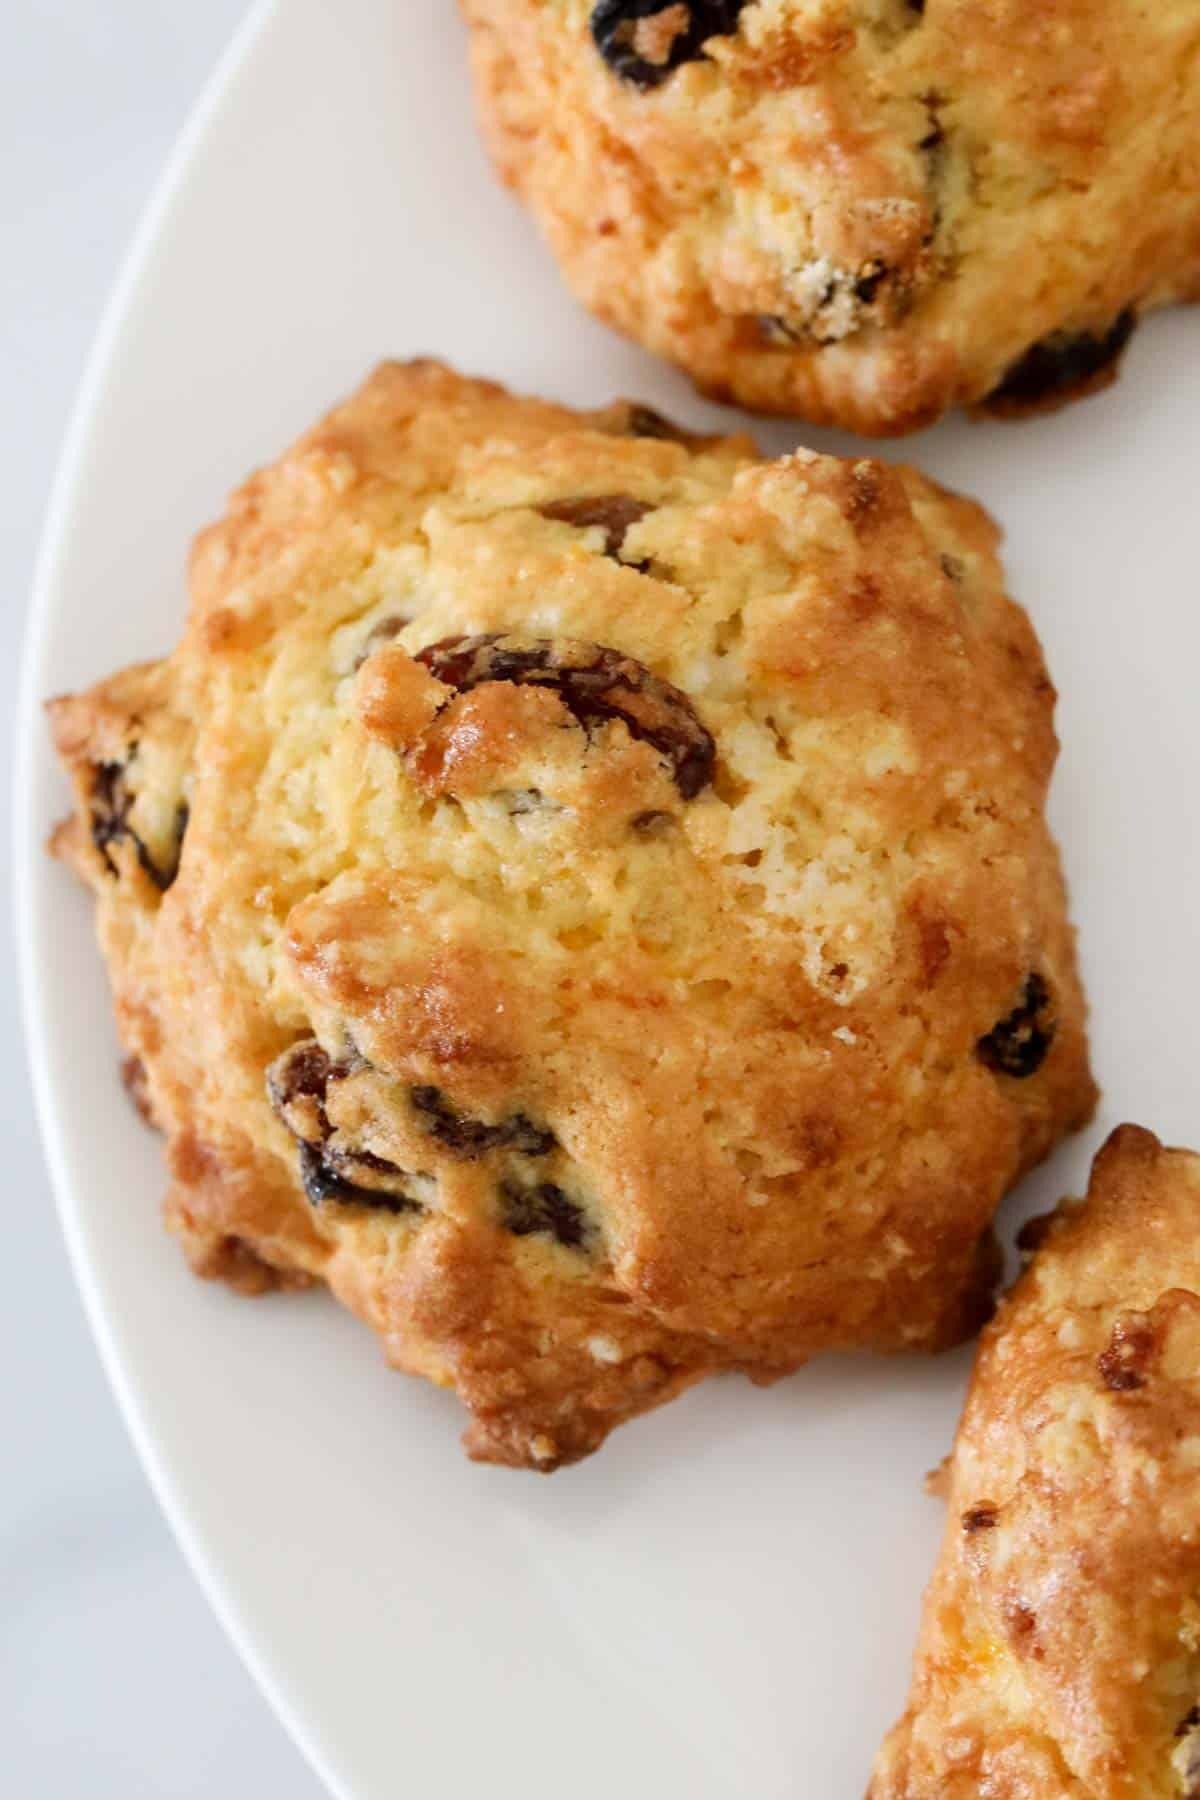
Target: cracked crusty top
1060,1647
862,211
583,891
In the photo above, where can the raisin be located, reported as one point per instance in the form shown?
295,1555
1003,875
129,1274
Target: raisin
1185,1758
469,1137
1035,1232
631,50
652,824
112,800
304,1072
1022,1629
545,1211
110,804
867,285
979,1518
644,422
1132,1350
613,513
297,1084
1017,1046
776,332
1065,362
527,1138
321,1181
595,684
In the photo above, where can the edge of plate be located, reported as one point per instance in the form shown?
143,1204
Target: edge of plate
228,72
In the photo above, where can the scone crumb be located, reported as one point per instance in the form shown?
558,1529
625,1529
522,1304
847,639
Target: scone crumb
491,925
857,214
1059,1629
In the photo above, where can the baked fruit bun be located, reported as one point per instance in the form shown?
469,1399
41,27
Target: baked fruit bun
582,891
861,213
1059,1656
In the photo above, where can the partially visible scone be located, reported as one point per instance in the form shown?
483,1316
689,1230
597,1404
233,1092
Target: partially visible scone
1059,1656
583,892
861,211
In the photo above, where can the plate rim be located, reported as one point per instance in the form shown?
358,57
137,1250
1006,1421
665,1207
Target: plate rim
27,845
49,602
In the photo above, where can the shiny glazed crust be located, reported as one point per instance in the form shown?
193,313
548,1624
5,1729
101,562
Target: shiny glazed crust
1059,1656
582,892
861,211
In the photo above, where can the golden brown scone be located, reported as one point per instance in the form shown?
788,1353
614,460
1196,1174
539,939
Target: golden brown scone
583,892
861,211
1059,1656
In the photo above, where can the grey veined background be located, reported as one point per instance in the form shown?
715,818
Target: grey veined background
115,1681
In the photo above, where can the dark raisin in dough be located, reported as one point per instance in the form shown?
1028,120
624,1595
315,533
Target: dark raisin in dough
1063,362
1017,1046
297,1084
613,513
1034,1233
545,1210
775,330
652,824
322,1182
303,1072
595,684
112,801
935,135
645,422
469,1137
615,33
1131,1354
867,285
1187,1761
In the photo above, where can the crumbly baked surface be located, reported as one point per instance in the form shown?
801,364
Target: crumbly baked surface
861,211
1059,1656
582,891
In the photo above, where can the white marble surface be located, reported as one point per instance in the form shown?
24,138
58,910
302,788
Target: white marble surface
115,1681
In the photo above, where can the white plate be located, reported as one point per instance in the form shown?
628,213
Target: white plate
723,1600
